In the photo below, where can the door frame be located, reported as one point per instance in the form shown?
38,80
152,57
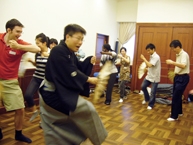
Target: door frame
98,48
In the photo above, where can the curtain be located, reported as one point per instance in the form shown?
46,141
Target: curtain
126,31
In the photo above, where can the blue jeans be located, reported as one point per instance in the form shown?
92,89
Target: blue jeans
31,90
150,98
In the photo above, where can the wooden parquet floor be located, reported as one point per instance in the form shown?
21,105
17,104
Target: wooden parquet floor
127,123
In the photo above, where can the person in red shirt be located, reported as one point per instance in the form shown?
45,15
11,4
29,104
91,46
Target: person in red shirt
11,50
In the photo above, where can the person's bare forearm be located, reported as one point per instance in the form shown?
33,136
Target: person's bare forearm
107,53
148,64
180,65
29,48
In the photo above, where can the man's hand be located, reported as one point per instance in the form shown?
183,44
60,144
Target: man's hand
145,69
142,57
13,44
45,54
191,92
93,60
169,61
92,80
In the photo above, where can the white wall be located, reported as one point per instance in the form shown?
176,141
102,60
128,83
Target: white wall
155,11
50,17
127,10
165,11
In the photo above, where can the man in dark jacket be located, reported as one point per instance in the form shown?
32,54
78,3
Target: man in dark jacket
67,118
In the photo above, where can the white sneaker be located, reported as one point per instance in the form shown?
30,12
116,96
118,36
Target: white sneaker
143,102
171,119
125,97
120,100
149,108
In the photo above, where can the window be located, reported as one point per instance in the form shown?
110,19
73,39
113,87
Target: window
130,48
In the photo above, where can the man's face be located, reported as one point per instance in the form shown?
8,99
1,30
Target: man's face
15,33
150,51
75,41
176,50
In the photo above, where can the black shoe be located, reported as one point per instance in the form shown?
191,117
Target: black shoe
107,103
1,135
23,138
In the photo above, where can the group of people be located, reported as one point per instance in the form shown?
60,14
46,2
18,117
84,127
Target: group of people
12,48
109,55
181,78
67,118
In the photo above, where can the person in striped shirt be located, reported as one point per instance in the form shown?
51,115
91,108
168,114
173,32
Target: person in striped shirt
40,62
107,54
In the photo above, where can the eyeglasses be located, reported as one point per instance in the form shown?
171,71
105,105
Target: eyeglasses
78,38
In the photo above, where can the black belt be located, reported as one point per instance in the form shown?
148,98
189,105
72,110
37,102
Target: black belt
181,74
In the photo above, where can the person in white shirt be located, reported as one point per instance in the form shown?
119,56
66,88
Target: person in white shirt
153,75
181,79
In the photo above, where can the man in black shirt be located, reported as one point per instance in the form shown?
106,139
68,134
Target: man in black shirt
66,117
